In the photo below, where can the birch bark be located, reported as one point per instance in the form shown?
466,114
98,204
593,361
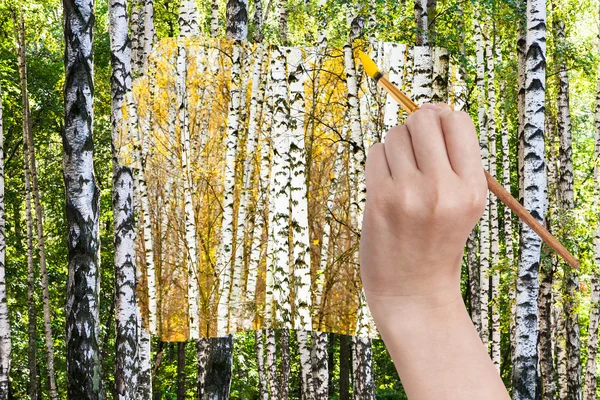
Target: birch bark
565,192
126,313
592,347
82,206
534,183
484,223
493,204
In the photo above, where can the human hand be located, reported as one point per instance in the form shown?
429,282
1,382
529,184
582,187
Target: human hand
426,190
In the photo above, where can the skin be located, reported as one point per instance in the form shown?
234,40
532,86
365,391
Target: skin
426,190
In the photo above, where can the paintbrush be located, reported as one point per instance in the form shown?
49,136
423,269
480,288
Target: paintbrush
501,193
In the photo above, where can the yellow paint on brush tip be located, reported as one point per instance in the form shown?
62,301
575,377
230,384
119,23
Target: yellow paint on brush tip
368,64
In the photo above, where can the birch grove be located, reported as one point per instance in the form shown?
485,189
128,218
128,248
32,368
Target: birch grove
213,153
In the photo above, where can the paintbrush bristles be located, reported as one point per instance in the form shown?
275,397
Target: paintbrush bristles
369,66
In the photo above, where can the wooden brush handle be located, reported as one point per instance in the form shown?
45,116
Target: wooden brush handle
526,217
501,193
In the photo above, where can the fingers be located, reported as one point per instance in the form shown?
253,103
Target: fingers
376,169
461,144
399,152
428,141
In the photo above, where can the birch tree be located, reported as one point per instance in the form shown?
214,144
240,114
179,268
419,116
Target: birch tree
484,222
422,57
534,183
493,204
299,217
126,339
363,360
188,27
5,337
142,28
279,206
566,203
82,206
35,193
548,383
590,383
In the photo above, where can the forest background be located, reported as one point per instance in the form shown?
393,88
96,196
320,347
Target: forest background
486,53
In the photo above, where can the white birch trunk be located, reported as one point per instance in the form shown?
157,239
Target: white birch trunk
299,220
493,203
534,183
144,379
186,24
441,64
5,340
484,224
280,194
214,18
126,312
566,205
422,74
271,364
263,393
396,56
592,347
82,207
225,253
188,19
561,345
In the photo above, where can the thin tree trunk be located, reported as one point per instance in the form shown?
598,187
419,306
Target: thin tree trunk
31,312
493,203
534,179
32,388
202,352
5,340
284,372
566,204
299,219
441,64
188,26
258,21
126,339
320,370
397,63
263,393
218,367
214,18
144,380
422,22
560,343
520,162
272,363
590,369
237,19
82,206
592,347
283,28
345,365
28,137
547,378
473,270
181,371
484,224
